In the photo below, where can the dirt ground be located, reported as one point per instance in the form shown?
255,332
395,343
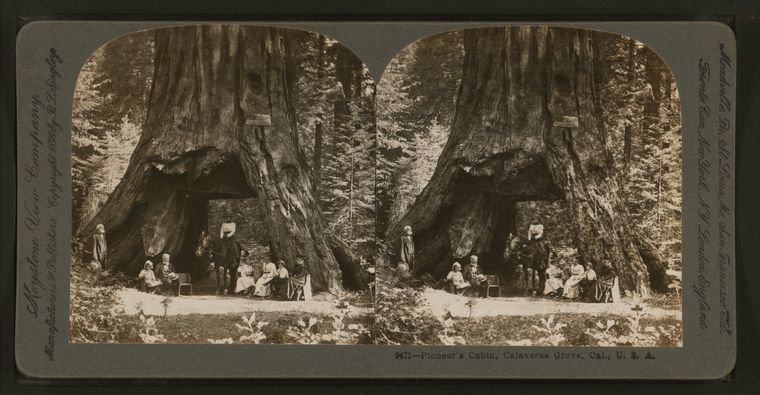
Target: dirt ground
211,304
440,302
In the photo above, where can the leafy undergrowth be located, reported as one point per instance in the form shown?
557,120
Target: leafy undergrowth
95,315
401,314
260,328
571,330
404,317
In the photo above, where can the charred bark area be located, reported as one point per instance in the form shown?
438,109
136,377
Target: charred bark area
503,148
220,124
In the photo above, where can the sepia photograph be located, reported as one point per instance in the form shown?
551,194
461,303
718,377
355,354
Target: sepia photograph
223,189
461,200
529,191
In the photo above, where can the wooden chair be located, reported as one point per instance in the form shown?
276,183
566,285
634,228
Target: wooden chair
493,282
296,292
184,281
603,291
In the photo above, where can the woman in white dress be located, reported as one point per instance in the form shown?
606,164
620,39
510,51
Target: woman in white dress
570,289
553,284
245,281
262,284
147,277
457,280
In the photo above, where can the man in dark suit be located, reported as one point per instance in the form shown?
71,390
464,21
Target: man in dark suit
474,275
540,252
167,275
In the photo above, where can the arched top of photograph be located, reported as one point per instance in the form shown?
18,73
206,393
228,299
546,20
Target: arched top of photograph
528,155
185,136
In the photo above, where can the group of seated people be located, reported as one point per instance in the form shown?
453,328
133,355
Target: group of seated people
471,280
584,283
275,280
162,278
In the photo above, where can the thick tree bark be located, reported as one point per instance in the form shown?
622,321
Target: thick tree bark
317,170
627,138
317,177
503,147
220,123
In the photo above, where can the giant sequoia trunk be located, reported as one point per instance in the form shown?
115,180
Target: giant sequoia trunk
505,146
221,123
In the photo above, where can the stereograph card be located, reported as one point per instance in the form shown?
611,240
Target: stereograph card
375,200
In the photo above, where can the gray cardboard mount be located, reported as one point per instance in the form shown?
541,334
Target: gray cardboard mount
700,55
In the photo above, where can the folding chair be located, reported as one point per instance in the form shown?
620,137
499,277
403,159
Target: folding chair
296,292
493,282
184,281
603,290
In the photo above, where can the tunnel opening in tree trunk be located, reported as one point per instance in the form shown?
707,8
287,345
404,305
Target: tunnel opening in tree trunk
221,123
250,229
527,127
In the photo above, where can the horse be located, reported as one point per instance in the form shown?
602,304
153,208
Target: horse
526,257
224,254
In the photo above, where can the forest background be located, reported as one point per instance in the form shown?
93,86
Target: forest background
334,99
415,110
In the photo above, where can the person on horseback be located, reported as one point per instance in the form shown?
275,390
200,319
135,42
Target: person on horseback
230,253
516,256
539,251
227,231
222,255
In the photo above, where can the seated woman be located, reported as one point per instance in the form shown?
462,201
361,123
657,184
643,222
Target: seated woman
587,286
148,280
280,280
570,289
245,281
456,280
262,288
553,286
